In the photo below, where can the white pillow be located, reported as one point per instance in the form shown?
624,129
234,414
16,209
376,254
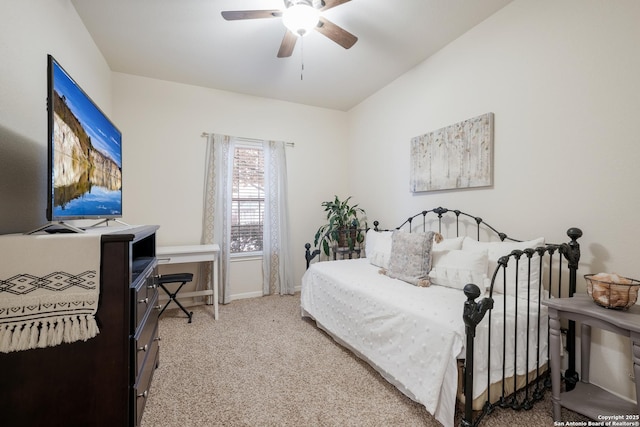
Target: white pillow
448,244
500,249
378,247
457,268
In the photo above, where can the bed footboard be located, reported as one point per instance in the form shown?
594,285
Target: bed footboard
474,312
472,315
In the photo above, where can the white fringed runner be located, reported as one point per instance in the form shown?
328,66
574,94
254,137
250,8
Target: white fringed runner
49,289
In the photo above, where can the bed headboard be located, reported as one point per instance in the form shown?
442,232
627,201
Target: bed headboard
444,220
424,221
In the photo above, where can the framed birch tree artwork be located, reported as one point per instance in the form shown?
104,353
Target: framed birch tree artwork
456,156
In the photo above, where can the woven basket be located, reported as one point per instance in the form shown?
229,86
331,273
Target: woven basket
619,295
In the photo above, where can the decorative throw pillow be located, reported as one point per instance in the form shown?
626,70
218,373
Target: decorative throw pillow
457,268
378,247
500,249
410,259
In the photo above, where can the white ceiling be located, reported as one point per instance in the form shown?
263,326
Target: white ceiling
188,41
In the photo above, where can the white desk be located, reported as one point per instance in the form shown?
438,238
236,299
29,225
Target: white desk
194,253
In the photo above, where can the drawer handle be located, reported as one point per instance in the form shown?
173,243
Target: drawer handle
157,339
158,307
143,348
144,394
143,301
152,286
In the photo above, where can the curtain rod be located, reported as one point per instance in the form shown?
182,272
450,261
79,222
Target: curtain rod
288,144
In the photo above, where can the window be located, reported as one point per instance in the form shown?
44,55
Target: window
247,199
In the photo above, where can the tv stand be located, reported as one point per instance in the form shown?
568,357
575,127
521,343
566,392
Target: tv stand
57,227
106,222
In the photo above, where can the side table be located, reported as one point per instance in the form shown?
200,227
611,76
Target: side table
586,398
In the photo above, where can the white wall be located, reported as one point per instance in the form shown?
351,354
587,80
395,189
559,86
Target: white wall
163,157
562,80
29,30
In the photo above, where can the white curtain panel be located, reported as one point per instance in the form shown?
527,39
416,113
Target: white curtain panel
276,260
216,224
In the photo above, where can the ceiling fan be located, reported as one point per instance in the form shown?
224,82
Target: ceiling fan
300,17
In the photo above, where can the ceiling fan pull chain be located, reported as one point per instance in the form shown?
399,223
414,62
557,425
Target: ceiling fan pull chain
301,57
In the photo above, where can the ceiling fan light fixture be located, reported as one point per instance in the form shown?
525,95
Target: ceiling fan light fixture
301,17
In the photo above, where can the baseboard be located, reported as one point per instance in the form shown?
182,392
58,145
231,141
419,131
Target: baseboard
245,295
256,294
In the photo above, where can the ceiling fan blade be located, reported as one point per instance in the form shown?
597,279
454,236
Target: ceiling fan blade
328,4
335,33
287,45
234,15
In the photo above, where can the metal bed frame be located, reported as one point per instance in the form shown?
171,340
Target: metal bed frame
551,255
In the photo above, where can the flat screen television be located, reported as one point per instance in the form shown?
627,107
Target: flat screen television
85,153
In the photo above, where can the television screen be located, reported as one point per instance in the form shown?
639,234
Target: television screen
85,153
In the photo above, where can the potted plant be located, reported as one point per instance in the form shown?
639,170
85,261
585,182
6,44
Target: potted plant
346,225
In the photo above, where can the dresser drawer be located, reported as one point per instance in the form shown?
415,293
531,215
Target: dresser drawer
143,383
151,283
144,293
147,334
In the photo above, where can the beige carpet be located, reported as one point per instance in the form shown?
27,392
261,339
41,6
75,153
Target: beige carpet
261,364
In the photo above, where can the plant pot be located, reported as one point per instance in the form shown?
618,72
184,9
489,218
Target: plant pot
344,234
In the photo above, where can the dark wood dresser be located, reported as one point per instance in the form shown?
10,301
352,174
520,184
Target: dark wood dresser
105,380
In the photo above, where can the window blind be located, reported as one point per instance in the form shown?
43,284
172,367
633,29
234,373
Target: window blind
247,200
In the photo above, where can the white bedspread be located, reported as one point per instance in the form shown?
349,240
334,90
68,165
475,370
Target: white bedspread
411,335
